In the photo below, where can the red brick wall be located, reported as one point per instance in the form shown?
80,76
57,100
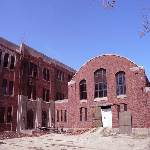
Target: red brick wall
135,99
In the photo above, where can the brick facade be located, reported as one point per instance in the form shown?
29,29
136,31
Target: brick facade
28,86
136,98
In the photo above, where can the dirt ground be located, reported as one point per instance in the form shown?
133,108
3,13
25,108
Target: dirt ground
99,139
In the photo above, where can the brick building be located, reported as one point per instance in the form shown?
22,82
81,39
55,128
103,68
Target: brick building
37,91
30,82
102,88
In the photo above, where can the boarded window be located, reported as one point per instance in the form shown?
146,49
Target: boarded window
61,115
100,83
44,74
47,95
47,75
121,84
35,70
34,92
9,111
4,86
85,114
80,114
0,58
12,62
83,92
57,74
2,114
30,68
29,92
43,94
6,60
125,107
57,115
11,88
65,116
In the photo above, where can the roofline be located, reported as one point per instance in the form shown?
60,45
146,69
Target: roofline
101,56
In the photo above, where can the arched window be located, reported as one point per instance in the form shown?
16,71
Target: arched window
83,92
121,84
100,83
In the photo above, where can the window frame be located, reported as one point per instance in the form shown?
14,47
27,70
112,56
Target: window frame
122,85
83,90
101,84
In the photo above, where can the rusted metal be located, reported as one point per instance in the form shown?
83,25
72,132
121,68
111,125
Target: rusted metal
96,117
125,122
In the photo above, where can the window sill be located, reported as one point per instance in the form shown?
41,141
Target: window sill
100,99
121,96
32,100
46,102
83,101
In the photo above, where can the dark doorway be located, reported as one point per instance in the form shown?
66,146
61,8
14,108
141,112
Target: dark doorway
30,119
44,118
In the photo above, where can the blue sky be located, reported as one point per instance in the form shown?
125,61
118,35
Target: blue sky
74,31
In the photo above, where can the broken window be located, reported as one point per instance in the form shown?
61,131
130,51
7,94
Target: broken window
100,83
11,88
29,92
81,114
63,76
0,57
57,115
85,114
30,68
57,74
69,78
47,95
121,85
35,70
4,86
2,114
61,115
9,114
125,107
44,74
34,93
12,62
43,94
83,92
47,75
6,60
65,116
60,75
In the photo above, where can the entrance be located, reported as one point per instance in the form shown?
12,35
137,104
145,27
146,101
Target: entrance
30,119
106,117
44,118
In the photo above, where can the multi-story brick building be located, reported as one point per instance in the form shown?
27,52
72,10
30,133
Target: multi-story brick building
30,83
102,88
36,91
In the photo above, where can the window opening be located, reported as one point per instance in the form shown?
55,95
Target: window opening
44,74
35,70
85,114
65,117
11,88
100,83
47,96
12,62
43,94
121,85
31,68
6,60
0,58
57,115
81,114
83,92
125,107
9,111
2,114
61,115
47,75
4,86
34,93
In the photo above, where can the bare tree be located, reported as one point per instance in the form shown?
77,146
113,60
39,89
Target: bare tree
145,12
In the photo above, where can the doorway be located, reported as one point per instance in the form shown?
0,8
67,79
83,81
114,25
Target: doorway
44,118
106,116
29,119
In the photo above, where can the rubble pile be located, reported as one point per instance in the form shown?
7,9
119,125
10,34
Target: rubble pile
79,132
